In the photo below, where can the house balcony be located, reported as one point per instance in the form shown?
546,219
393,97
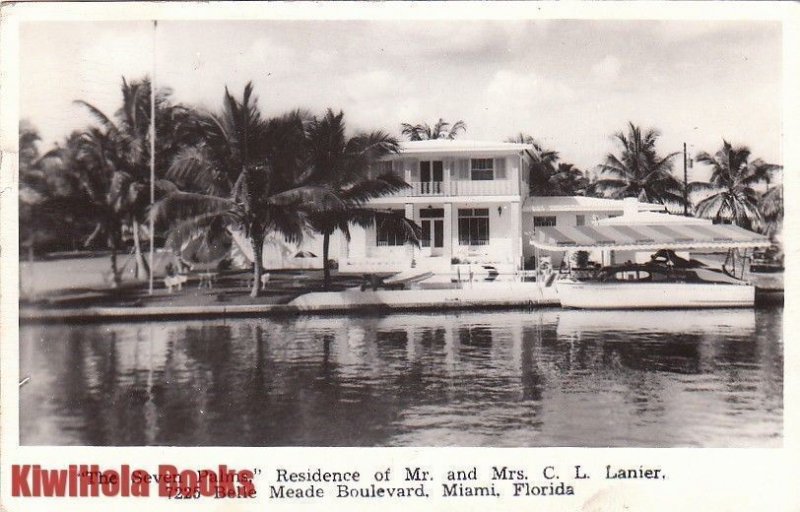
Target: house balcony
460,188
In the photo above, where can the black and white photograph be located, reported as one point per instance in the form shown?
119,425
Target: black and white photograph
377,232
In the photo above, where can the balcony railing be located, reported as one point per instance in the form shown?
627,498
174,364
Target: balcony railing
460,188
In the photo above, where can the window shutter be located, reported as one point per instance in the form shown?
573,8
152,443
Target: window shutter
412,168
500,168
463,169
397,169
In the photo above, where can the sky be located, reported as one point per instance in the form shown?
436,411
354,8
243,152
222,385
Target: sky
570,84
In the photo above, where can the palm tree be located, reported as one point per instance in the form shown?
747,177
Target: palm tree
98,194
770,204
127,137
731,196
542,165
570,181
228,141
548,176
33,187
343,165
639,171
247,176
441,130
253,208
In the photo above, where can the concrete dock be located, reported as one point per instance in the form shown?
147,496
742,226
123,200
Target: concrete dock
472,296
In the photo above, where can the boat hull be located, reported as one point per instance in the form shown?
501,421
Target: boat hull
594,295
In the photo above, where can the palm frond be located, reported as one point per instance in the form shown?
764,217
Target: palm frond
290,223
383,185
209,228
701,186
458,127
98,114
395,222
312,197
772,202
193,168
186,205
521,138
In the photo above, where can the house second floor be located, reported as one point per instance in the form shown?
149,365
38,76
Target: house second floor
466,170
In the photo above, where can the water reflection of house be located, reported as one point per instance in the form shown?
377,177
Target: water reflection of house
548,377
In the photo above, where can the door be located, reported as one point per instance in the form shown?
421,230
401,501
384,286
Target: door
432,224
431,176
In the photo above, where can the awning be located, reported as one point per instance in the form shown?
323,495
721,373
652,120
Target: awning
646,237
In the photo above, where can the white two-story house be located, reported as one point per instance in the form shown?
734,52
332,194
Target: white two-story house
471,199
466,195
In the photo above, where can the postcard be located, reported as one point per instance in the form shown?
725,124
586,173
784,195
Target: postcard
399,255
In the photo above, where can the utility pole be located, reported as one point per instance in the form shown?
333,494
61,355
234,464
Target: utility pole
685,185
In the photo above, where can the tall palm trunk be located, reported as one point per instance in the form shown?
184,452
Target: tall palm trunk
258,250
115,280
326,265
141,264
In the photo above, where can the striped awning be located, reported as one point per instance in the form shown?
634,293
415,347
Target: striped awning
646,237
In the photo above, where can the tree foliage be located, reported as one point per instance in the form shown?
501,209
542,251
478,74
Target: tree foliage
731,193
247,175
440,130
637,170
548,176
343,164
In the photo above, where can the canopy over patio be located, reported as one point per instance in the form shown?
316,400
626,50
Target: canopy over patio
646,237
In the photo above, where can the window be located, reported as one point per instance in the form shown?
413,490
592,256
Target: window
431,176
473,226
431,213
482,169
632,275
540,221
385,236
580,220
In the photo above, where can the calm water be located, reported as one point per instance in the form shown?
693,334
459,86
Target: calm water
542,378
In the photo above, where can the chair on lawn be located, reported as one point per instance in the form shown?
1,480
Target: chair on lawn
175,281
264,280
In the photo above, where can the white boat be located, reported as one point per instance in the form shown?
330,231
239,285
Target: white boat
655,286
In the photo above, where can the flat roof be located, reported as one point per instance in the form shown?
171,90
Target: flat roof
646,237
581,203
459,146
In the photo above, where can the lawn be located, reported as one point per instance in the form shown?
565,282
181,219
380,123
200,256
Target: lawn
74,282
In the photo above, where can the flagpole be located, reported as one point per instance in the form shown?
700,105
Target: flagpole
685,185
152,160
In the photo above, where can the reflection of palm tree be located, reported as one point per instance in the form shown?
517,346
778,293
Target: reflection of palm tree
639,171
441,130
342,164
732,197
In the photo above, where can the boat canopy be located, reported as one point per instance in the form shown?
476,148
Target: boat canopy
646,237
